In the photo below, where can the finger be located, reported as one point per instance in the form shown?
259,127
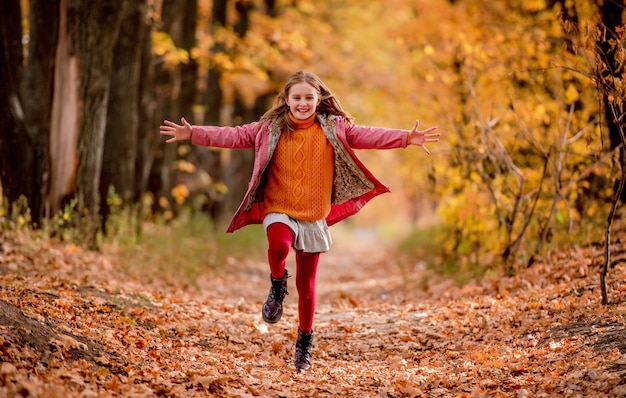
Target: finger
425,149
169,123
416,125
186,124
428,130
170,140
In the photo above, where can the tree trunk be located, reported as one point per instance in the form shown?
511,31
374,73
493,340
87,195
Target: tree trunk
15,155
64,119
38,78
93,32
147,143
27,88
169,89
211,98
122,125
189,70
611,15
611,18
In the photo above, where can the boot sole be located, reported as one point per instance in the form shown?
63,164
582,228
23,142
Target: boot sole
270,321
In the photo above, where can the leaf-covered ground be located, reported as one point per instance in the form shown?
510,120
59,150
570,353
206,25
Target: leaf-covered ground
72,324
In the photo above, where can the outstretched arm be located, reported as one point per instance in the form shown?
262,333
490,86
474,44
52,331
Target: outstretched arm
178,132
421,137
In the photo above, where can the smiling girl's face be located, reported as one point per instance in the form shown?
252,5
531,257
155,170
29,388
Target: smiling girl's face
302,100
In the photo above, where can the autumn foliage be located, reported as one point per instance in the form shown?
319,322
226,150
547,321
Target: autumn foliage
525,162
494,292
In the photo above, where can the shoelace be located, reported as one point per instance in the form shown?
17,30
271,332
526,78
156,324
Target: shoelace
278,290
304,343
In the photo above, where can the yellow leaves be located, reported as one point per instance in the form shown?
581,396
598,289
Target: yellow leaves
540,114
164,47
186,167
307,7
571,94
536,5
250,82
222,61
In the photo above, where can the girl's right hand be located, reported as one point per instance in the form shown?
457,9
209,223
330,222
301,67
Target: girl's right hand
176,131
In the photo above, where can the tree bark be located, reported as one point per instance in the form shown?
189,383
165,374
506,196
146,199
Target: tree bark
168,90
93,32
211,98
38,77
147,143
189,70
26,102
64,119
611,17
15,155
123,111
611,13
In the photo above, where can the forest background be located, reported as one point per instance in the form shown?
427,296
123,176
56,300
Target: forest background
520,194
529,158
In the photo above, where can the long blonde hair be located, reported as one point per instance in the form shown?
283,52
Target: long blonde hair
279,112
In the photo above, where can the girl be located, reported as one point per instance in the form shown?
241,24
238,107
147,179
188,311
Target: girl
306,177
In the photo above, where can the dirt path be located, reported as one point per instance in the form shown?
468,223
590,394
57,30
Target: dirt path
71,326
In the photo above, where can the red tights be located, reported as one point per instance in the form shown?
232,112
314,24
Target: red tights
280,239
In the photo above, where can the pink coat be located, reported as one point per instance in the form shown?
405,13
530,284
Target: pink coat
353,184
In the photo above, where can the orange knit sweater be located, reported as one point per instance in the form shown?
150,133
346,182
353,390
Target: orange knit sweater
300,174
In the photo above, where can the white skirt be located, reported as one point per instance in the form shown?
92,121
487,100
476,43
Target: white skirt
308,236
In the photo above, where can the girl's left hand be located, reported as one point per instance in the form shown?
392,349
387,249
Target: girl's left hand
421,137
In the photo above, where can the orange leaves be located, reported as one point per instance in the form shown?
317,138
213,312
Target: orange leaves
529,335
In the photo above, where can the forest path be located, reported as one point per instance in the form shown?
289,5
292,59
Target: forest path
72,325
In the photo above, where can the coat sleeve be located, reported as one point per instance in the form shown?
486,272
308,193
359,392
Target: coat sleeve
364,137
239,137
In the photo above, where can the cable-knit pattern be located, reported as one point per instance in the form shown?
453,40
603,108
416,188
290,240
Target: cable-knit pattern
300,174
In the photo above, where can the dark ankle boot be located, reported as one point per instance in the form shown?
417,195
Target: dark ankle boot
302,359
273,307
